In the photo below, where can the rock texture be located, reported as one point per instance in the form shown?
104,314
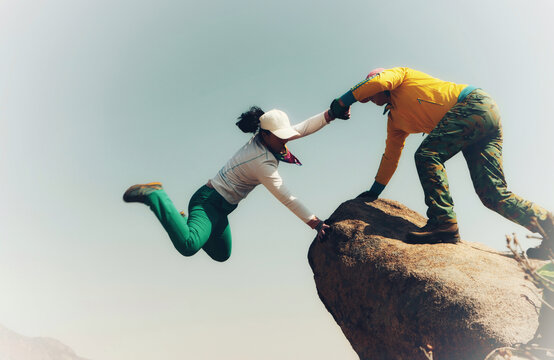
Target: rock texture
390,298
18,347
523,353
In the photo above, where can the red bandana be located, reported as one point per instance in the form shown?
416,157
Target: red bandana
287,156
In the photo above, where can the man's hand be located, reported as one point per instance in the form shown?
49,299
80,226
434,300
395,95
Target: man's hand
337,110
367,196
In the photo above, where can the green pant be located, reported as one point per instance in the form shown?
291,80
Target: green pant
206,228
473,127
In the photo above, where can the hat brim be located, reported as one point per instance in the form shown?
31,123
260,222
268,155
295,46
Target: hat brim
285,133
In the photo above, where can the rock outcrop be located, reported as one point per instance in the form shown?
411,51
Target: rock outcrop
391,298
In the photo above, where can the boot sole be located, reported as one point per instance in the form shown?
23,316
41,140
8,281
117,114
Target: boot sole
128,197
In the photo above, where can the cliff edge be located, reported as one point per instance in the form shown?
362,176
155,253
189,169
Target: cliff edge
390,298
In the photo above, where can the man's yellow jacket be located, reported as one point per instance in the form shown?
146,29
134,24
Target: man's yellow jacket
418,103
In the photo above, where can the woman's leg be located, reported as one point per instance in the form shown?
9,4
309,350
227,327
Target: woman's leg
188,236
208,202
218,246
206,227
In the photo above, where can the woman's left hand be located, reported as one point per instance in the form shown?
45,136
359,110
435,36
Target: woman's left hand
320,226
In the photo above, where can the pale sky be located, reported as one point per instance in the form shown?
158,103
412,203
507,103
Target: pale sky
98,95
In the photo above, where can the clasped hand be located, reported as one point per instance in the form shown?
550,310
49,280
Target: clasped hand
338,110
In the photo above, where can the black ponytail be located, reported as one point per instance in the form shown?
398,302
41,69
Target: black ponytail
249,121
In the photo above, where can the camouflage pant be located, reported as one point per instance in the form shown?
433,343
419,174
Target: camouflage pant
473,127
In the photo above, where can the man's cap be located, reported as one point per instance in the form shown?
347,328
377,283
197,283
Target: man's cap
371,74
375,72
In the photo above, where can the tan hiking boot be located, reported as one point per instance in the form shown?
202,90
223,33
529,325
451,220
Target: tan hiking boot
140,192
435,234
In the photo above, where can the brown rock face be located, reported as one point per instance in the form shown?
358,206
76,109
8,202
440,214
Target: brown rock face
390,298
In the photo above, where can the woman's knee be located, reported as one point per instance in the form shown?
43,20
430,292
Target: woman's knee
186,246
221,257
186,250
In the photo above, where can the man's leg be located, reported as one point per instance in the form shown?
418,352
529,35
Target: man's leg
430,158
441,225
484,161
463,125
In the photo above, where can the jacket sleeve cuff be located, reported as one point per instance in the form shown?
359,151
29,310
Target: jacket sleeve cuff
348,98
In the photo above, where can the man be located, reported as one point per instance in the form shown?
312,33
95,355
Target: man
457,118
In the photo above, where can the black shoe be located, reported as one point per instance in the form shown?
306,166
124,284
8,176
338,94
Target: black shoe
547,226
140,192
540,252
546,229
435,234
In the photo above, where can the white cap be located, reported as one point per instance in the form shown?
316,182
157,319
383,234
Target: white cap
278,123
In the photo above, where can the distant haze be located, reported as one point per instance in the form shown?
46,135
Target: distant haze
18,347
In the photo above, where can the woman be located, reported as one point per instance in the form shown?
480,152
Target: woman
255,163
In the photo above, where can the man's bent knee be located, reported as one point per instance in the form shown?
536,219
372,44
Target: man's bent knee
492,198
422,156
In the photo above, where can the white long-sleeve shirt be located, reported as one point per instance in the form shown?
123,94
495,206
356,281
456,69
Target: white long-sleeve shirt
254,164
